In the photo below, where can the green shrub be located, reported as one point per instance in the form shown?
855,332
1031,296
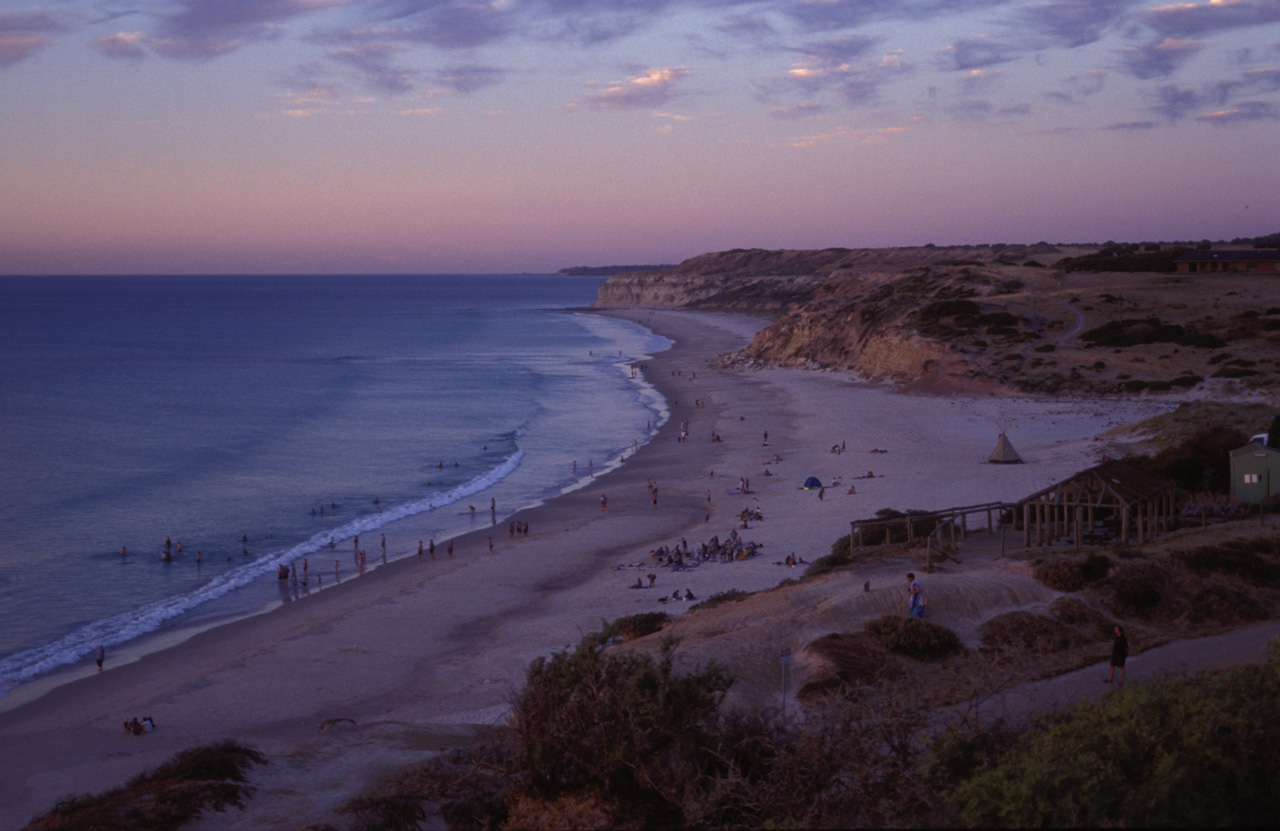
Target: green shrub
637,625
589,722
1201,340
1133,332
940,309
1238,558
1095,567
720,598
999,318
1059,575
1189,753
913,637
1200,463
1235,372
1218,603
1029,632
196,780
1137,589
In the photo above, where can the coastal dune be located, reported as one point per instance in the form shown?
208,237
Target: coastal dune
414,654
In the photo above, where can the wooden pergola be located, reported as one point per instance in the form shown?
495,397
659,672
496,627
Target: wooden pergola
1110,494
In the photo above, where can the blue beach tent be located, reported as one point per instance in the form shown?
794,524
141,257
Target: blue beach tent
812,483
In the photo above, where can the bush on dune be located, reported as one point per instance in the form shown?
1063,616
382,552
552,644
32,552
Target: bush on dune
1187,753
196,780
913,637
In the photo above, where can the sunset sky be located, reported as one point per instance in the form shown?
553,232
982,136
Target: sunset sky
317,136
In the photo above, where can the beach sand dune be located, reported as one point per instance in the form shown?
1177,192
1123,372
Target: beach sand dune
429,649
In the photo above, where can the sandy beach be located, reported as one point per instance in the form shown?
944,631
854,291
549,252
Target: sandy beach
416,653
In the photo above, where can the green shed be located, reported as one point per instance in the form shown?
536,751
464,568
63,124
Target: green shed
1255,472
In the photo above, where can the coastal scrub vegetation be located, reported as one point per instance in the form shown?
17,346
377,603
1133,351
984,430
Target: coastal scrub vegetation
1125,257
913,637
198,779
1197,752
617,741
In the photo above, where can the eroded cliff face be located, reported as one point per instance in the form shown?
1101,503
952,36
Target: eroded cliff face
837,309
984,319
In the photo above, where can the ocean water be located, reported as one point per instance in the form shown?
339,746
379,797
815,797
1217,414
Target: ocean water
254,419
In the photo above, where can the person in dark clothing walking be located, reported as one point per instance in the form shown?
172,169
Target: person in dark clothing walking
1119,651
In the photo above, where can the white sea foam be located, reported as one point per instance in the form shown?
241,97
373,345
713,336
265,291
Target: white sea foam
126,626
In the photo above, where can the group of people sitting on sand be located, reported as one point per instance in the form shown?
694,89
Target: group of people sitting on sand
791,561
137,728
748,515
713,550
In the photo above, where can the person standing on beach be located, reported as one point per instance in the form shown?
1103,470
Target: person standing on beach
604,502
1119,651
916,607
100,655
450,549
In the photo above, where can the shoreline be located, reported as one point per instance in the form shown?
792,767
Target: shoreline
159,681
258,594
447,643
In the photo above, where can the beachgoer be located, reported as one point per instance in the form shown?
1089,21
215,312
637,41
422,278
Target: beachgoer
100,655
1119,651
822,492
419,550
450,549
916,607
431,548
604,502
652,578
491,543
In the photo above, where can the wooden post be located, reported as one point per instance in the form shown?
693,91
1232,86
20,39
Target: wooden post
1079,529
1124,525
1026,524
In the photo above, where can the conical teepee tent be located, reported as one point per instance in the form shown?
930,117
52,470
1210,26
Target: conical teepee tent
1004,454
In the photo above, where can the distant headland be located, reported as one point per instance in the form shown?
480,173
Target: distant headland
609,270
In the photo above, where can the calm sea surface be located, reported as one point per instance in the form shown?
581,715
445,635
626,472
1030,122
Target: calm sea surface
251,419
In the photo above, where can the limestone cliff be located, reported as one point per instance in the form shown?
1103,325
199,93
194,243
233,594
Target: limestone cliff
837,308
982,318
